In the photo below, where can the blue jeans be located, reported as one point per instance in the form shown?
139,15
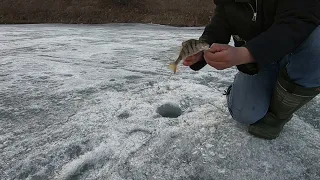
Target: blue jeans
250,96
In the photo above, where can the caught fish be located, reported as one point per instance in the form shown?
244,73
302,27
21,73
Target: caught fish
189,48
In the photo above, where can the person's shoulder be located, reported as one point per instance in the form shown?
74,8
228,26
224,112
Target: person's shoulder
217,2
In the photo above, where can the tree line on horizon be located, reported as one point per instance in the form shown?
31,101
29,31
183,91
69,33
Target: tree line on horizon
172,12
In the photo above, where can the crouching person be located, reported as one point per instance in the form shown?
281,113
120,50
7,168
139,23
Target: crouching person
277,53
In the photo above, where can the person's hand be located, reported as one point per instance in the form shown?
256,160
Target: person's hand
193,59
223,56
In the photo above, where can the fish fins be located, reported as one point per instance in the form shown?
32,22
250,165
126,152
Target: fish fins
173,67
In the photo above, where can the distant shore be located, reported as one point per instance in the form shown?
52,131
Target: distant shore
175,12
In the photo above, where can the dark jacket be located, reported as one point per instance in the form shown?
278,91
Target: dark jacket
269,29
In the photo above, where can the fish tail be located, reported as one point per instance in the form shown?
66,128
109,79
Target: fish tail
173,67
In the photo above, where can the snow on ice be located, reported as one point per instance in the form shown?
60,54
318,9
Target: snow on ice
84,102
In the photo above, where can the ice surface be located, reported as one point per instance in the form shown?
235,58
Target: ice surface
80,102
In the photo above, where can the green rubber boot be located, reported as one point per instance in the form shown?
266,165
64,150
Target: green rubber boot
287,98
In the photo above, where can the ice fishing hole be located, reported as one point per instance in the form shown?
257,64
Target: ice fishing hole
169,110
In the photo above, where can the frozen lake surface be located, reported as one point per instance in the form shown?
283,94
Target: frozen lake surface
82,102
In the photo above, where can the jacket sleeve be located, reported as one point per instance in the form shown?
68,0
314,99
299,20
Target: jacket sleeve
294,22
217,31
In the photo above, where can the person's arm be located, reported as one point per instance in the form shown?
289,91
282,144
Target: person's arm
217,31
294,22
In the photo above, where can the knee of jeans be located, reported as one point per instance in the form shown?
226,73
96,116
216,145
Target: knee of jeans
247,115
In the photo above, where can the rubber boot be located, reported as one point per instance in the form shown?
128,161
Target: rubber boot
287,98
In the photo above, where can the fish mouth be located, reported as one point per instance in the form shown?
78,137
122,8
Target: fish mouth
205,46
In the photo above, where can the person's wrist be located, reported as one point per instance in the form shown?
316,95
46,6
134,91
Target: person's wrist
244,56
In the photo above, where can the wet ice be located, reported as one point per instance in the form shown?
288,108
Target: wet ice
170,110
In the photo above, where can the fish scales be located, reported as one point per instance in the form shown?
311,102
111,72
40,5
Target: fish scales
189,48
